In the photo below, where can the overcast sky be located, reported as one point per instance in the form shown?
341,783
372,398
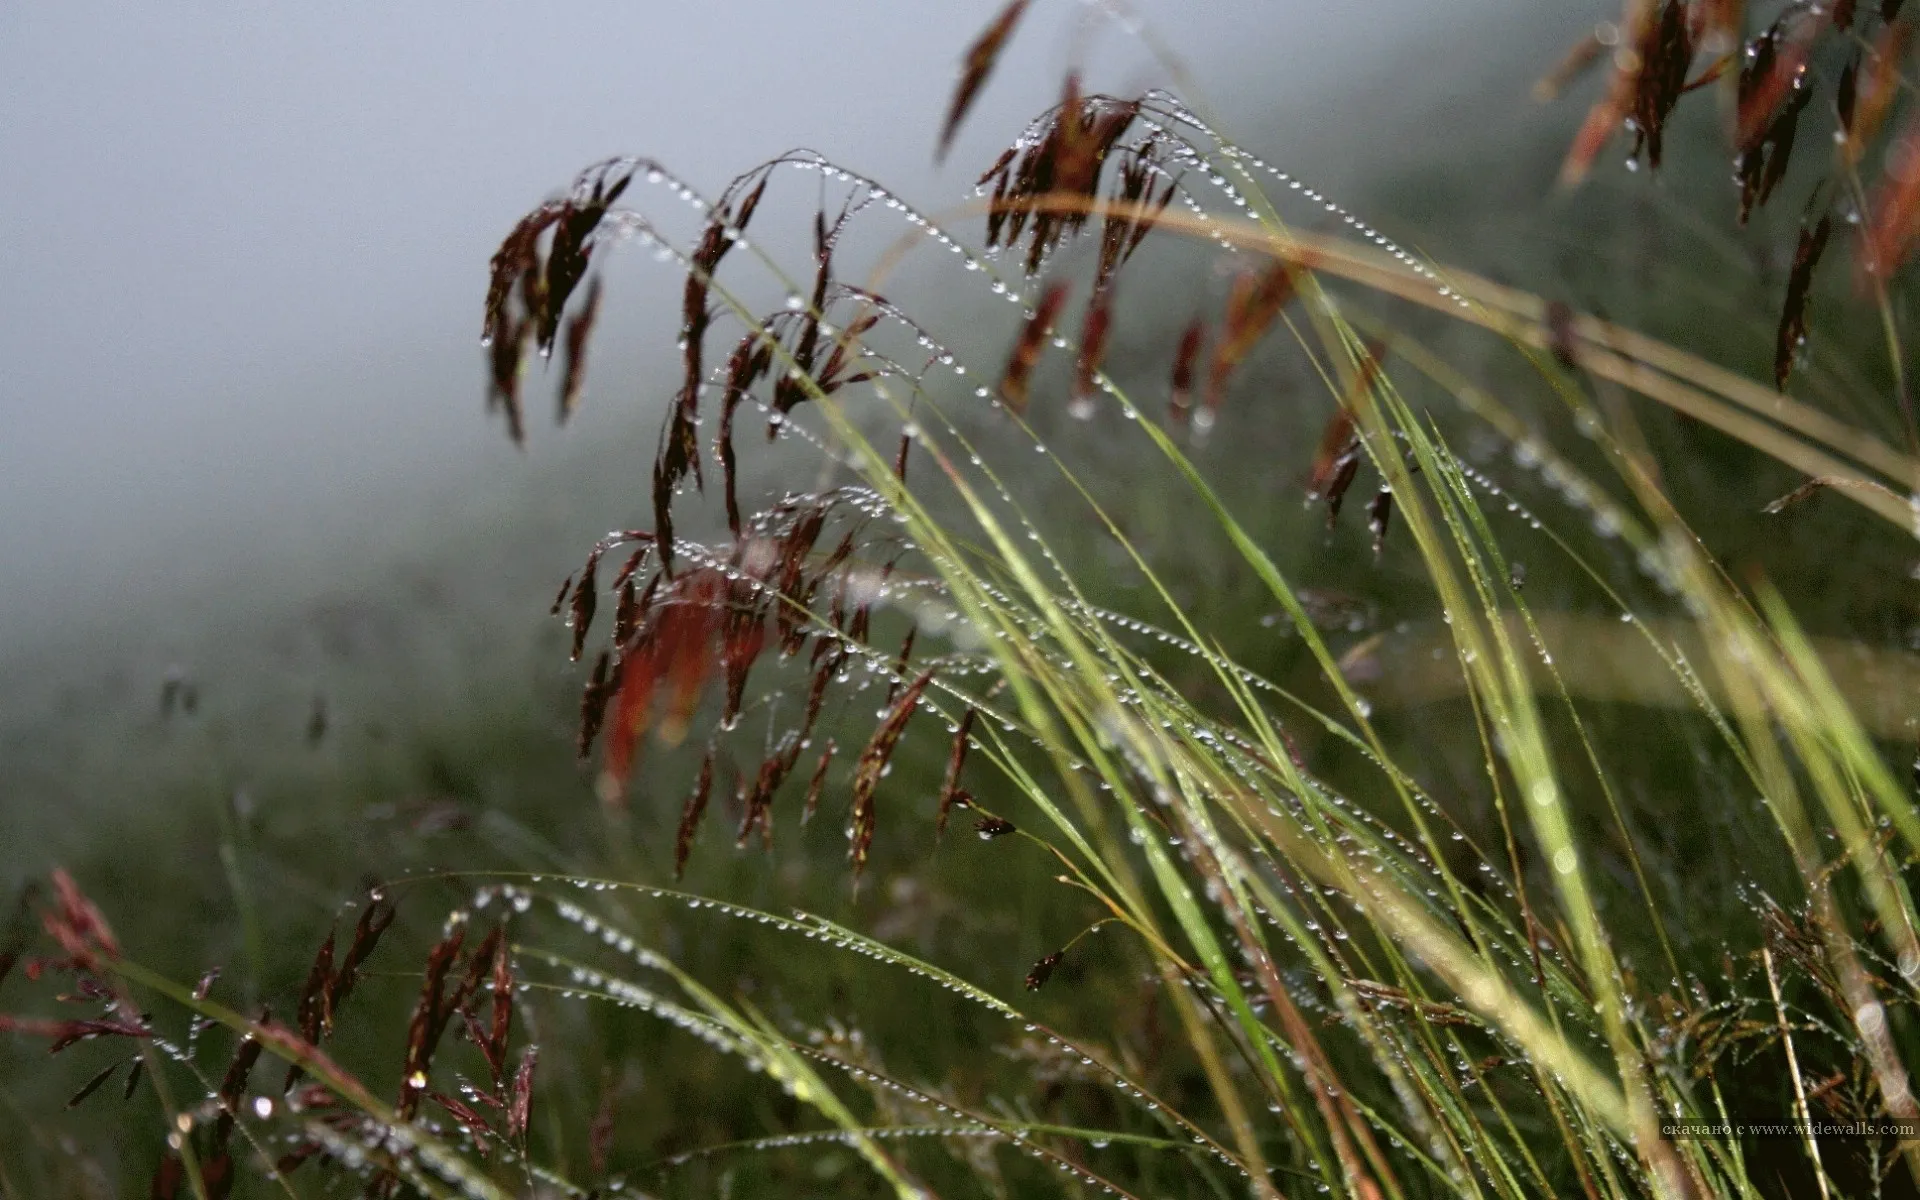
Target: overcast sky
243,242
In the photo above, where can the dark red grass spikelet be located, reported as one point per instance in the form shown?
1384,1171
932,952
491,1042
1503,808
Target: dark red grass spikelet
77,925
327,986
1335,459
790,386
1048,183
1775,67
1806,491
1180,402
543,286
374,921
690,814
1607,113
712,620
679,453
1015,382
626,611
1666,51
61,1034
956,763
495,1045
873,762
1135,212
632,565
593,703
977,65
585,599
743,634
520,1110
574,369
900,662
1773,89
1094,331
430,1015
751,359
817,785
1256,300
312,1014
476,1125
480,965
990,828
1792,332
233,1087
758,809
900,456
572,247
826,667
504,354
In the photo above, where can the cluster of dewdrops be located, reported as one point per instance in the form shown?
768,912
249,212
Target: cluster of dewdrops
1410,861
1608,519
1015,1134
586,983
1413,867
1171,109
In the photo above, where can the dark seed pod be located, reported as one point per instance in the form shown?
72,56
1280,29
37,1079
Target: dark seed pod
1379,512
990,828
1043,970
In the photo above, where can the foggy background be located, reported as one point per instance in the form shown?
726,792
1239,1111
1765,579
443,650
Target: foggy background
244,244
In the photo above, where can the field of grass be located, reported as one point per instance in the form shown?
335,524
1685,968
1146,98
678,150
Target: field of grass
1455,844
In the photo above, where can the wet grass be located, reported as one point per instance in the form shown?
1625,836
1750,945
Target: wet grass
1288,846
